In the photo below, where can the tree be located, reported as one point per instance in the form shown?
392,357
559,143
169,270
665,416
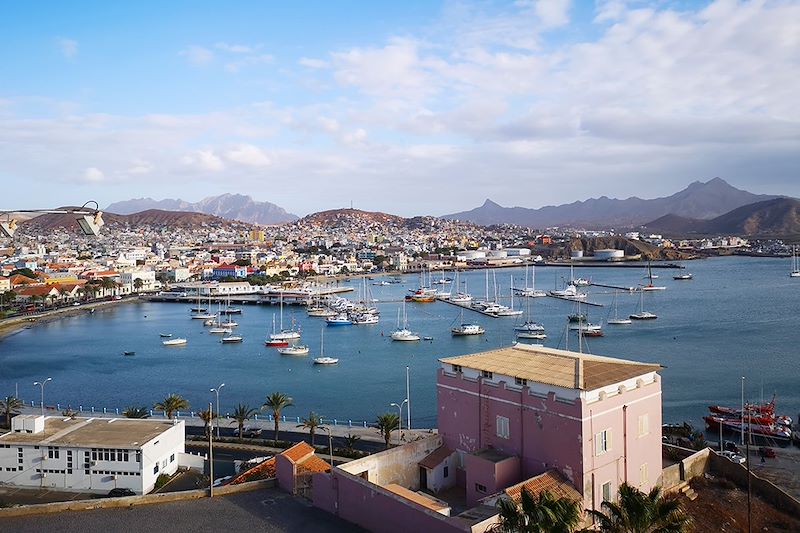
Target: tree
10,406
207,416
241,414
386,423
133,411
637,512
138,284
537,514
350,442
312,423
276,402
171,404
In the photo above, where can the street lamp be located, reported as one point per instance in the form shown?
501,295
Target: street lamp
400,418
41,384
330,442
216,391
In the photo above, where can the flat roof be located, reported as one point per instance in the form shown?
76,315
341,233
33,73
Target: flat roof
92,432
417,497
550,366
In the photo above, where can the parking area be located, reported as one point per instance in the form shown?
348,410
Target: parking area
28,496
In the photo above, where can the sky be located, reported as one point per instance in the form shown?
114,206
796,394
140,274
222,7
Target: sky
406,107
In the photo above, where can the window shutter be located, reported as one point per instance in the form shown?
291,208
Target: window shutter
608,440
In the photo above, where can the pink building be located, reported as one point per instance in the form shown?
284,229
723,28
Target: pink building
514,413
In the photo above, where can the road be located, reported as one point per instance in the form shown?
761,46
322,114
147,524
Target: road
321,439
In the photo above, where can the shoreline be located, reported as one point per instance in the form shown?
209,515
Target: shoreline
11,326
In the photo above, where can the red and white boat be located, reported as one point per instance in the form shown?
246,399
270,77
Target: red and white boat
771,433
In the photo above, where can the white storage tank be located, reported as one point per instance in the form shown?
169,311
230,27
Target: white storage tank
577,254
609,254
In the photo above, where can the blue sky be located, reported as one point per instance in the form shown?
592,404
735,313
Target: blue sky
410,108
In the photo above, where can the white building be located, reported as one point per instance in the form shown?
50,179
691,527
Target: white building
89,454
148,278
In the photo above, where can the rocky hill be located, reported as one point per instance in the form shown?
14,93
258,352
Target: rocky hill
699,200
631,248
344,218
778,218
230,206
153,218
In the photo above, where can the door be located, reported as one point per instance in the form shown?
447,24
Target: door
423,478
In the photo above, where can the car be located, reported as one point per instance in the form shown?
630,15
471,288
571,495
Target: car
120,492
734,457
118,297
76,304
249,431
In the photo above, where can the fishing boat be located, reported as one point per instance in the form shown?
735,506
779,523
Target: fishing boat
322,359
617,320
682,277
769,433
231,339
297,349
403,334
642,314
339,320
174,342
795,270
283,334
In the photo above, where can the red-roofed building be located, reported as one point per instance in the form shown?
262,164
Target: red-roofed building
296,466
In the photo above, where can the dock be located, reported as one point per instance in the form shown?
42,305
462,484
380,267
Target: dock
466,306
583,302
626,289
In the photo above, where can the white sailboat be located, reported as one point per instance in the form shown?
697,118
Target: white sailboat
403,334
642,314
322,359
460,297
296,349
531,292
651,276
509,311
795,271
231,339
284,334
617,320
467,329
530,329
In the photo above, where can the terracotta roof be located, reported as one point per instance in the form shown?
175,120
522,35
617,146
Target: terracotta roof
264,470
436,457
551,481
19,279
313,464
417,497
36,290
561,368
297,452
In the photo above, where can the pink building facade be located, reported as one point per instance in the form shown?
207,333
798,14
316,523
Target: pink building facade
529,409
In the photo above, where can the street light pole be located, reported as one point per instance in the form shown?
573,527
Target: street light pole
41,384
330,442
216,391
399,419
408,398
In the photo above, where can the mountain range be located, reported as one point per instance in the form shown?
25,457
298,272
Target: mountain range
150,217
230,206
773,218
699,201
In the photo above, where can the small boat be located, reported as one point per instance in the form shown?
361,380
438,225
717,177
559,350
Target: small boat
203,316
682,277
231,311
339,320
467,329
175,342
531,335
297,349
128,353
529,326
617,320
593,333
642,314
199,309
231,339
585,327
322,312
275,343
427,338
166,335
365,319
325,361
570,293
404,335
220,331
228,324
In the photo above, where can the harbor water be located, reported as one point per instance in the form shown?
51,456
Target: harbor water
737,317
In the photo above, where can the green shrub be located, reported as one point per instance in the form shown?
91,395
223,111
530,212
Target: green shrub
162,480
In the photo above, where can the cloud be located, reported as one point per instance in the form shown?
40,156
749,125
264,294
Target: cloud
197,55
236,48
248,155
247,61
68,47
93,175
552,13
313,63
140,167
203,160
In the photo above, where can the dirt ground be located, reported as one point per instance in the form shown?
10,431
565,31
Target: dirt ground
721,506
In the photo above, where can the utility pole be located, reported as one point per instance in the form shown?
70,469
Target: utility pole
210,457
408,397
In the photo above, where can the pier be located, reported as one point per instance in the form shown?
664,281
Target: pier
584,302
466,306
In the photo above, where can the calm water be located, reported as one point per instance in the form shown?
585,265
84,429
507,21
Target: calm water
738,317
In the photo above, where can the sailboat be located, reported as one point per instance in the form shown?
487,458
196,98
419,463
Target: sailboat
642,314
579,322
322,360
218,329
461,297
403,334
201,313
467,329
510,311
617,320
531,291
231,339
295,349
529,329
284,334
651,277
578,282
795,271
272,341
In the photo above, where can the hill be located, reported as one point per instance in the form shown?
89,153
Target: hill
769,219
699,200
344,218
151,218
230,206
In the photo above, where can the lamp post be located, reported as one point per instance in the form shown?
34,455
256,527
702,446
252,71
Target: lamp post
399,419
408,398
330,442
216,391
41,384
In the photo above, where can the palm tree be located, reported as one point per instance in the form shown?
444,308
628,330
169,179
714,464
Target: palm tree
241,414
171,404
350,442
138,284
537,514
207,416
276,402
10,406
312,423
637,512
386,423
133,411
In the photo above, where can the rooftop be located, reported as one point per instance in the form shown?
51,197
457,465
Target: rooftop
417,497
550,366
92,432
551,481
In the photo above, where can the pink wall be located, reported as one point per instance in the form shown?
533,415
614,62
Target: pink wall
376,509
495,476
284,472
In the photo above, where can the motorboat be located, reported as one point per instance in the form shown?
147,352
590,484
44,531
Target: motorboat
339,320
174,342
467,329
682,277
365,319
297,349
231,339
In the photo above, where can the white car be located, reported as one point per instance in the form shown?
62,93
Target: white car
735,457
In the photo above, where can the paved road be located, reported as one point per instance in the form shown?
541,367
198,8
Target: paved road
321,439
267,510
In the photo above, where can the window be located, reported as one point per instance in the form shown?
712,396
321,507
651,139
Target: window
52,452
480,488
502,427
522,382
446,471
602,442
644,425
486,374
138,456
457,368
607,491
172,458
643,474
